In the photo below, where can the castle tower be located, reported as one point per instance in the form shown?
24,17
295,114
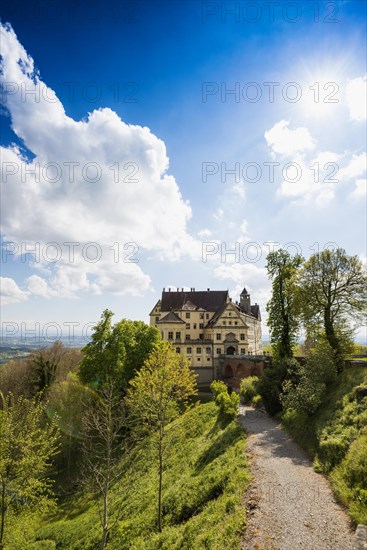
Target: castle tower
245,301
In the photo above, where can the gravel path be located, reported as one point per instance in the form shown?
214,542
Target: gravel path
289,506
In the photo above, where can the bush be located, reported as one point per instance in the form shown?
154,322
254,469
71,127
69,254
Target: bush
305,388
228,404
269,387
331,452
248,388
217,387
350,479
305,397
257,401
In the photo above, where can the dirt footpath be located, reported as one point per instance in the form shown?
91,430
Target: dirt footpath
289,506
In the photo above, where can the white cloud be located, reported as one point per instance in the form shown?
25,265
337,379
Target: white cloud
284,141
53,198
239,189
360,190
356,94
203,233
312,179
39,287
10,292
356,166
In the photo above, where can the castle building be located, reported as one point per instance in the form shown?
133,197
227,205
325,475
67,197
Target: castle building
214,332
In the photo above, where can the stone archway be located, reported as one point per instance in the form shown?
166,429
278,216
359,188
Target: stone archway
228,372
231,350
241,370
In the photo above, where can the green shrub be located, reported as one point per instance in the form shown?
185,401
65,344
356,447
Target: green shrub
257,401
331,451
269,387
217,387
349,479
228,404
248,388
307,396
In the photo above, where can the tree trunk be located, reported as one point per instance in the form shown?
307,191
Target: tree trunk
160,450
333,339
3,512
105,519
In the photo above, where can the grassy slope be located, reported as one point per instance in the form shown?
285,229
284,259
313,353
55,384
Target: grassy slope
336,436
204,480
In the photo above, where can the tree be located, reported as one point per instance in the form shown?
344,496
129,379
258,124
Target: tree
306,391
67,403
156,395
283,319
332,293
27,444
104,445
117,351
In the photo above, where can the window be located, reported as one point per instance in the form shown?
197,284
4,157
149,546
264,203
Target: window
207,315
243,351
187,336
242,336
198,359
198,350
187,315
188,325
208,349
229,322
201,315
224,322
201,325
194,325
208,358
218,336
188,351
201,336
229,313
170,335
157,319
236,322
178,335
178,350
219,351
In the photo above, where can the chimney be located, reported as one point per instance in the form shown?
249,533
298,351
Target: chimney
169,289
208,289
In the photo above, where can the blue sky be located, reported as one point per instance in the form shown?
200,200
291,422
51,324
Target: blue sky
233,126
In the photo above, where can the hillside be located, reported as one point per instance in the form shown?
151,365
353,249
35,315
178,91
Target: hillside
336,436
204,480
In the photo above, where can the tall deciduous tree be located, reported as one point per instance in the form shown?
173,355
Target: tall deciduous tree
117,351
27,444
104,446
333,293
283,320
155,398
